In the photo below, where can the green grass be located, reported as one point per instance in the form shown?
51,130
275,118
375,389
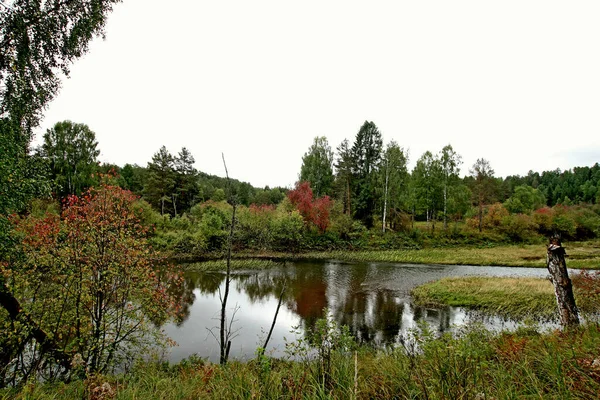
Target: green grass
511,297
236,264
518,298
580,255
474,365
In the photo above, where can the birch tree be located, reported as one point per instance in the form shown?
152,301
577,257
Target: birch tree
450,165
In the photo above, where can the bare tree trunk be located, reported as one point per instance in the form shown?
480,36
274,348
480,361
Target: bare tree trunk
563,287
225,343
264,348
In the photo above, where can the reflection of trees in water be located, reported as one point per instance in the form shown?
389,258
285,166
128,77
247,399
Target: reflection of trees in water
373,315
358,296
309,294
438,318
261,286
306,291
206,283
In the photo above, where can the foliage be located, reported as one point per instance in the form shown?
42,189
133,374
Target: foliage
450,162
314,211
186,180
91,280
317,167
472,364
366,155
524,200
159,186
327,343
394,176
343,177
39,41
427,182
483,186
71,151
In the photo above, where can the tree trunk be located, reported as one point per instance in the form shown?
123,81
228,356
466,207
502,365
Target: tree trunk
445,203
387,175
47,344
563,288
480,214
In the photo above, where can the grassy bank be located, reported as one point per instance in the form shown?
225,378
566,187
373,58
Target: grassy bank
580,255
476,365
511,297
236,264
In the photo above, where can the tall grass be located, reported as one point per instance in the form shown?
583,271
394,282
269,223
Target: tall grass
236,264
517,298
473,364
580,255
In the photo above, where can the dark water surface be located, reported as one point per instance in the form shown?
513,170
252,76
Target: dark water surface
373,299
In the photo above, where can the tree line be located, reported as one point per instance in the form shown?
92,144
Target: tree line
373,182
370,181
363,181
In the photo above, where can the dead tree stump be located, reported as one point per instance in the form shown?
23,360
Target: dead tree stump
563,288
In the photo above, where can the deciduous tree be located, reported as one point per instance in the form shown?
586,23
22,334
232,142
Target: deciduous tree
89,279
38,41
450,162
314,211
71,150
394,175
483,185
427,178
317,167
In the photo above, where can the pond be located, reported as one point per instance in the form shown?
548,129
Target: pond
372,299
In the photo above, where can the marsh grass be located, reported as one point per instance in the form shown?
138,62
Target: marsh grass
579,255
518,298
474,364
236,264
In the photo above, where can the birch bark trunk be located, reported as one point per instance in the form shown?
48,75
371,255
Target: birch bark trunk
563,288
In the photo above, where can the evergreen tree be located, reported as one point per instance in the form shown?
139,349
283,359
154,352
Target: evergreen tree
186,185
160,181
343,178
366,155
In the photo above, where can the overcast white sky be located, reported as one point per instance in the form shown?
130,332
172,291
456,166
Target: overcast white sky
515,82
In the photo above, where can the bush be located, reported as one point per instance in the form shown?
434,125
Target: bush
287,231
519,227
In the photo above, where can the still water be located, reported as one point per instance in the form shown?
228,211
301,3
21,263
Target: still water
373,299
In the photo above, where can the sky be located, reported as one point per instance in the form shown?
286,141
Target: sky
514,82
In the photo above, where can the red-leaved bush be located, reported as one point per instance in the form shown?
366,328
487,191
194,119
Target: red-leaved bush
314,211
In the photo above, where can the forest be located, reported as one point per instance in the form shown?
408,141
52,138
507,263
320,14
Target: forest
362,195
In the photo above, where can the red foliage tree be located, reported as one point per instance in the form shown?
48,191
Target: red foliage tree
103,293
314,211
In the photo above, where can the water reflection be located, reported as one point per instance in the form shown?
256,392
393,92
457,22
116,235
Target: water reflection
372,299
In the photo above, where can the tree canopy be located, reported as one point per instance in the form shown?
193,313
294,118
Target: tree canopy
71,150
317,167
